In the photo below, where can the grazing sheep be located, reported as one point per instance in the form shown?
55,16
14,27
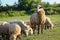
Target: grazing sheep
10,30
26,29
29,28
48,23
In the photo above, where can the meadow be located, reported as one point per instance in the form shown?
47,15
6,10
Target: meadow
48,34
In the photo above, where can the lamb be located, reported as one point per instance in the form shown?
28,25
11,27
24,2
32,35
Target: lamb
10,30
26,29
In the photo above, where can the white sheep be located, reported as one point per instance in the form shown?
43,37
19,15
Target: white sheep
34,20
26,29
41,16
10,30
48,23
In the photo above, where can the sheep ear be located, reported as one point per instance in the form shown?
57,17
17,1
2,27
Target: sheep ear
41,7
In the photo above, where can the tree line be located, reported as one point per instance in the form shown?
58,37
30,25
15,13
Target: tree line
28,7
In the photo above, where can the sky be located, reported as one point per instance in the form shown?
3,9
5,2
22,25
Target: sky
51,1
11,2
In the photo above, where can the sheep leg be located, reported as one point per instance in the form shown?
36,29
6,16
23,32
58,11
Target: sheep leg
13,37
42,28
26,33
34,27
7,36
38,29
3,36
19,36
45,27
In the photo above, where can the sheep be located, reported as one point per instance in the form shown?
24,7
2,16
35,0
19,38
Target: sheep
48,23
15,30
10,30
41,16
34,20
26,29
28,24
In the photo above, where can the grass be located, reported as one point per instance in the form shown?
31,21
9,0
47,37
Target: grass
48,34
14,18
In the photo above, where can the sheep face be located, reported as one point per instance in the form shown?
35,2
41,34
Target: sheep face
39,8
49,25
31,31
52,26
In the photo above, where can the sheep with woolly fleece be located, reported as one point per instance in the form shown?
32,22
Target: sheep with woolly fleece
34,20
10,30
48,23
42,17
26,29
28,24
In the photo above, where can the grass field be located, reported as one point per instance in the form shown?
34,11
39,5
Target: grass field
48,34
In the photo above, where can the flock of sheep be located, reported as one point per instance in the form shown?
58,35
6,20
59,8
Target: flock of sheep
10,30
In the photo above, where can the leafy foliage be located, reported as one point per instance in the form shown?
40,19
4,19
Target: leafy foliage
28,7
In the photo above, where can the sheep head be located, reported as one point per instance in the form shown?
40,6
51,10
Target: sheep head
40,10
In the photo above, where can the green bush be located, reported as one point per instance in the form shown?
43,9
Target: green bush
3,14
22,13
16,13
12,13
51,10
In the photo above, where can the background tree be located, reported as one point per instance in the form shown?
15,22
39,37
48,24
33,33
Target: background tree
28,5
0,2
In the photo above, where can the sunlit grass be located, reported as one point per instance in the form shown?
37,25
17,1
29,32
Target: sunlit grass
48,34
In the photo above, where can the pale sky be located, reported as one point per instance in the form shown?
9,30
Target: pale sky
51,1
11,2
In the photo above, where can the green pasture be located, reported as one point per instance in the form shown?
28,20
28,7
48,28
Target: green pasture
48,34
